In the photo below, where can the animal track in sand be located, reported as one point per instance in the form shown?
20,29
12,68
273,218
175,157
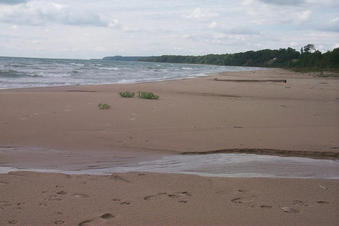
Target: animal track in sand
98,220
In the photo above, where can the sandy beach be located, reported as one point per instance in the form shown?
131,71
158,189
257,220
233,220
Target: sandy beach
200,115
157,199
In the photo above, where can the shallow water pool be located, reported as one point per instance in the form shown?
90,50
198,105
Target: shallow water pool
215,165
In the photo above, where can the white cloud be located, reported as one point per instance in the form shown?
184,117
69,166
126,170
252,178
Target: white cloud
199,13
284,2
334,20
91,29
305,15
212,24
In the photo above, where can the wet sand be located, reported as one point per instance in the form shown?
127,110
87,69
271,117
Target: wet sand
192,115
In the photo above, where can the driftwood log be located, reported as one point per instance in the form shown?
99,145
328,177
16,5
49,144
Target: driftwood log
251,80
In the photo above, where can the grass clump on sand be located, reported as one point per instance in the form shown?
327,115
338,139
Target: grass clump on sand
103,106
127,94
148,95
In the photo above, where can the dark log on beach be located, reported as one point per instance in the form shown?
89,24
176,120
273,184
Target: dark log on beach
251,80
278,152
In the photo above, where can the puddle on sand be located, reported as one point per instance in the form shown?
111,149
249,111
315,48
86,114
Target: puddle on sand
240,165
216,165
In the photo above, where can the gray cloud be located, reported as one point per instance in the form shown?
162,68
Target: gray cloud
42,13
12,2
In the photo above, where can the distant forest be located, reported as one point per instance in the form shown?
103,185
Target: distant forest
307,59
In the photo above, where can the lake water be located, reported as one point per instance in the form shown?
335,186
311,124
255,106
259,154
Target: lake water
34,72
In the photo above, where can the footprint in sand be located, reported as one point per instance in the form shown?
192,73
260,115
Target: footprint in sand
299,203
4,204
179,196
59,222
121,202
42,204
80,195
266,207
247,200
19,205
323,202
61,193
119,178
125,203
287,209
54,198
322,187
12,221
98,220
150,197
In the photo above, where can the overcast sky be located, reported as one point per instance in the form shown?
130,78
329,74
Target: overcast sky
97,28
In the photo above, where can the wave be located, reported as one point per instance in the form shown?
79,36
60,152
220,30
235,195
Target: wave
187,68
109,68
14,74
36,72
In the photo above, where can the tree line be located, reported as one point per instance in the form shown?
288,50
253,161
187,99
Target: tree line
308,58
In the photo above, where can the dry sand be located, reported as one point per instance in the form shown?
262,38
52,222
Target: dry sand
193,115
157,199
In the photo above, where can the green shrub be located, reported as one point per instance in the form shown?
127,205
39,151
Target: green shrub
127,94
103,106
148,95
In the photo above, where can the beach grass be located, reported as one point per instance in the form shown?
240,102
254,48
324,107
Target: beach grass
148,95
127,94
104,106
